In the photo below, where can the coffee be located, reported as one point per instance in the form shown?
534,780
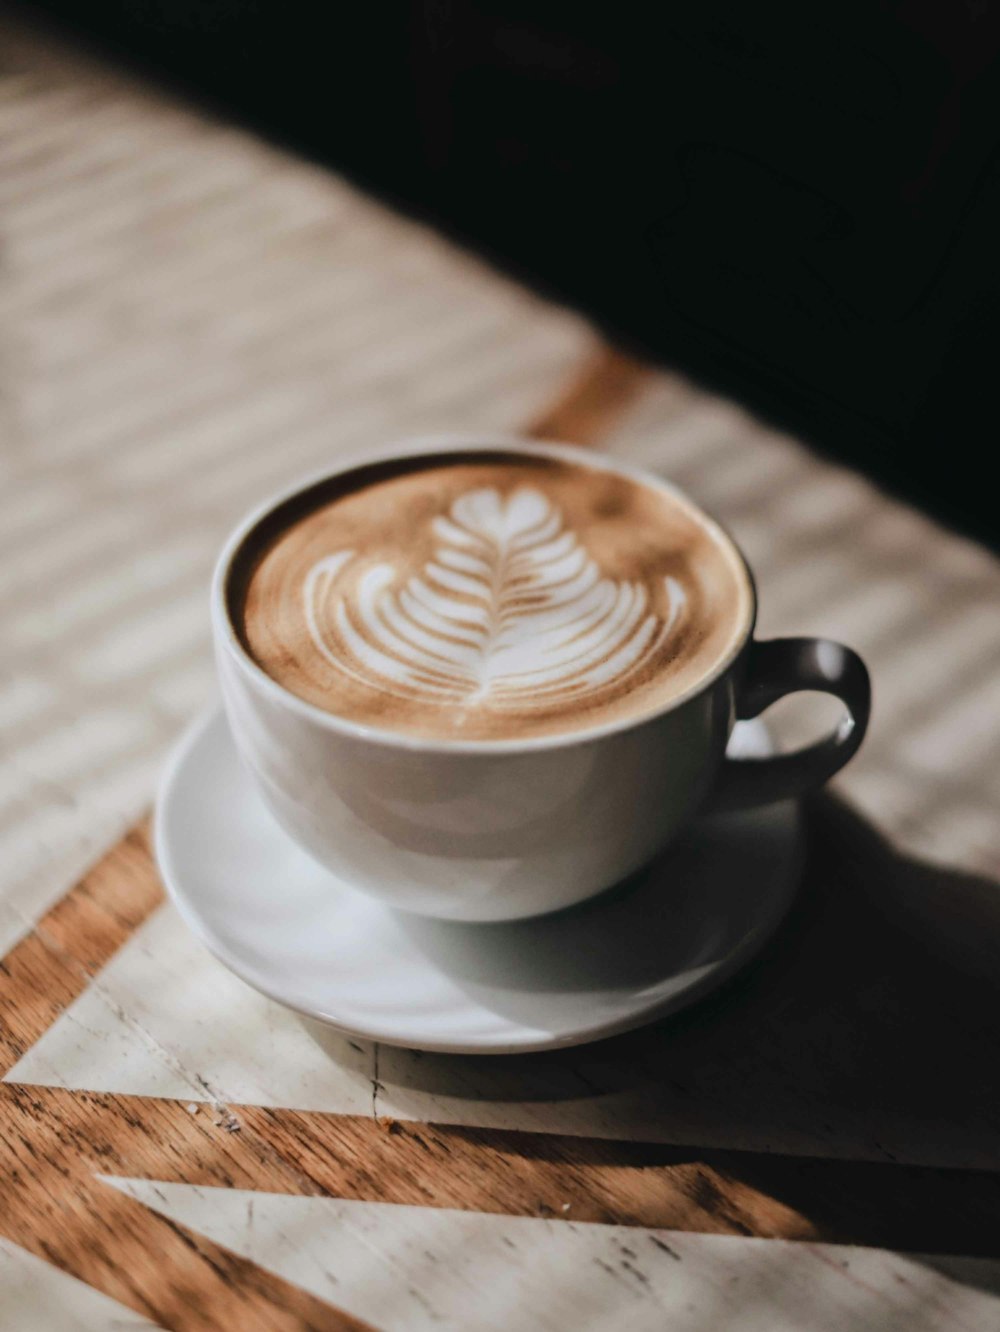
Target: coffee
487,595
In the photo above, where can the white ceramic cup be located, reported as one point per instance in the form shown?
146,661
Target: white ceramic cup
492,830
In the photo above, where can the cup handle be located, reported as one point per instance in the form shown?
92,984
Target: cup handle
783,666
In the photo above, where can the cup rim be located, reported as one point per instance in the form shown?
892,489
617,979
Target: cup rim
456,442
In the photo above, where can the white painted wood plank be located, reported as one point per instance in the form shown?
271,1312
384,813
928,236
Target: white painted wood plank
411,1269
164,1018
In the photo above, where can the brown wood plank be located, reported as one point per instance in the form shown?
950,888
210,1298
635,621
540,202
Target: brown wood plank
594,401
56,1207
504,1172
53,965
640,1184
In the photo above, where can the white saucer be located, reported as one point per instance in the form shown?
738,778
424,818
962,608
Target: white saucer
306,939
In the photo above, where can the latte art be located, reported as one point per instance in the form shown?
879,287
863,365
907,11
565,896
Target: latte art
510,612
487,595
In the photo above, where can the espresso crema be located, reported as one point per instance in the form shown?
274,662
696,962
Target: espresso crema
487,596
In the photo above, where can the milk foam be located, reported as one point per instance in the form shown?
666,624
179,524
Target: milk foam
486,595
510,612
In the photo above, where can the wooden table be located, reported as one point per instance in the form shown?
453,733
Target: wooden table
190,317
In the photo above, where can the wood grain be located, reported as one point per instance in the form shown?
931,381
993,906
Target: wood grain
52,1133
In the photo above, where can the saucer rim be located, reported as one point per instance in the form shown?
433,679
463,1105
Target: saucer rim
750,946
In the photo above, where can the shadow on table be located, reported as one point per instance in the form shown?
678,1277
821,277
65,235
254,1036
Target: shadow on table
878,997
867,1031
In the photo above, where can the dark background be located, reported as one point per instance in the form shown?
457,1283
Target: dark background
796,203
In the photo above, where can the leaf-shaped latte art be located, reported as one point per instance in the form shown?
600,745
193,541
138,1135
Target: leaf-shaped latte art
511,612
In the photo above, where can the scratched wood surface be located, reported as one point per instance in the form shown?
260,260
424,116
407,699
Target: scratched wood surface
815,1147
